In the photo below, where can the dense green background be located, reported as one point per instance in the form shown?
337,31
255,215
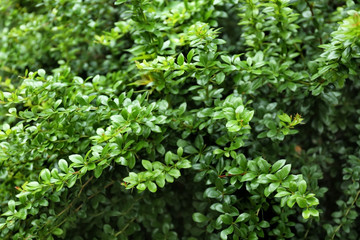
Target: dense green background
170,119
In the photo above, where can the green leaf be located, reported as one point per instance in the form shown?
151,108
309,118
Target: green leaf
131,162
306,213
190,55
45,175
11,205
160,180
239,109
32,186
190,149
226,59
272,177
55,173
98,171
169,178
199,142
227,219
58,231
272,133
224,233
156,129
282,193
199,217
263,165
314,212
91,166
41,72
117,119
293,186
180,59
147,165
264,224
141,186
183,164
291,201
175,173
212,193
57,103
21,214
312,201
7,213
160,148
248,177
118,2
233,126
151,186
44,202
220,77
301,202
302,186
248,115
168,158
76,158
180,151
253,236
242,217
182,109
285,118
218,151
71,182
271,188
235,171
6,127
284,172
81,100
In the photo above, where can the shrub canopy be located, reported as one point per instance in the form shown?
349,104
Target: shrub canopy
203,119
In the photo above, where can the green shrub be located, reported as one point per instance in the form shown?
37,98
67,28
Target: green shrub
204,119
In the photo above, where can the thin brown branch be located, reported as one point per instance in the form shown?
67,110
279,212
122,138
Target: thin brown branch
347,212
83,186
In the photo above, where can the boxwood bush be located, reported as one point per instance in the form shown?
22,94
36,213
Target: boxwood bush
192,119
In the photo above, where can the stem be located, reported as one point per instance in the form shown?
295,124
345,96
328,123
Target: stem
316,23
111,183
347,212
65,209
83,186
230,175
186,4
308,230
64,220
125,227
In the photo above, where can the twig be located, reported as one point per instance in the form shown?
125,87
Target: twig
308,230
125,227
83,186
347,212
111,183
314,18
231,175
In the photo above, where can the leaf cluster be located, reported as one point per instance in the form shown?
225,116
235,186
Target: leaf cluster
204,119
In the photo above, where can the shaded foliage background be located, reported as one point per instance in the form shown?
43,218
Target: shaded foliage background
101,97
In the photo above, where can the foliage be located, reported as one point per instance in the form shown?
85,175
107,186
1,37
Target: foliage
204,119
